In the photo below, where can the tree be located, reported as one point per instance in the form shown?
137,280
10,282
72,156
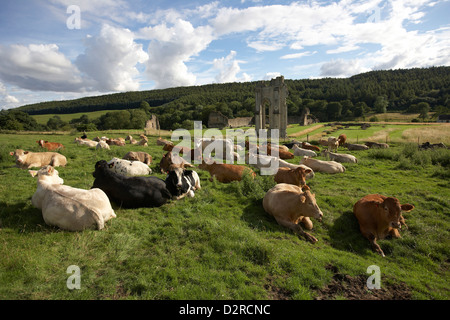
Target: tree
334,110
423,108
55,123
381,103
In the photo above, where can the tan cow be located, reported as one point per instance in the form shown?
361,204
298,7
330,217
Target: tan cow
355,146
322,165
27,159
50,146
380,216
225,172
172,159
333,144
290,205
296,176
69,208
339,157
86,142
138,156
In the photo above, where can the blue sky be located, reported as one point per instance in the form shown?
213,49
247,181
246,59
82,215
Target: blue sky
66,49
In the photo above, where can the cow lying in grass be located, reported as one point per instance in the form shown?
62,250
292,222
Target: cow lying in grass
182,182
290,205
130,192
69,208
28,160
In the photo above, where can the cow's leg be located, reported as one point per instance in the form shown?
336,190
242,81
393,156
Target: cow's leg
373,241
297,229
403,222
394,233
307,223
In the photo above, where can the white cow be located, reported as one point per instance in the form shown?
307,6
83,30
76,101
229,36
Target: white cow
271,164
85,142
102,145
339,157
69,208
303,152
322,165
129,168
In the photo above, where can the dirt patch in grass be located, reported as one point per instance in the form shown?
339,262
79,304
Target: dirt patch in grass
355,288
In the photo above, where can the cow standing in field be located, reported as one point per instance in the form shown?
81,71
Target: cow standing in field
130,192
290,205
379,216
333,144
69,208
27,159
342,139
50,146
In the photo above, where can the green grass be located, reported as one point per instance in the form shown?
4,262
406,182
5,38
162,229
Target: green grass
221,244
43,118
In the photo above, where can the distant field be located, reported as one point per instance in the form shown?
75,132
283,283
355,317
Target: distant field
43,118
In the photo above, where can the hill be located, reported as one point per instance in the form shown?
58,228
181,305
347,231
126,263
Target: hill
412,90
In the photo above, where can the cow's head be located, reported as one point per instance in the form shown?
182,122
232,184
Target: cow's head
100,167
309,199
393,211
175,176
47,174
301,174
19,154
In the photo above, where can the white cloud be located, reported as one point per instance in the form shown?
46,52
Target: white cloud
38,67
110,60
228,68
171,47
298,55
271,75
342,68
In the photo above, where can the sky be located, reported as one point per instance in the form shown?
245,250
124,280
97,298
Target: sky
54,50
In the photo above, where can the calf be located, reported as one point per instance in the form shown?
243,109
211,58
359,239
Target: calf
27,159
339,157
129,168
69,208
296,176
50,146
143,157
323,166
226,172
303,152
130,192
182,182
342,139
289,205
333,144
379,216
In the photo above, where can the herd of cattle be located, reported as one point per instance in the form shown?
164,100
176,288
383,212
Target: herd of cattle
127,182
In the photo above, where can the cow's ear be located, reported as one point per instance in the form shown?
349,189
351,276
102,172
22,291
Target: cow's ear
302,199
407,207
33,173
11,153
50,169
110,165
25,152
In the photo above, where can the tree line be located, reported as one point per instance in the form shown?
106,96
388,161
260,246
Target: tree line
419,90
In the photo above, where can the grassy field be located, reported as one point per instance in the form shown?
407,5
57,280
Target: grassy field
43,118
221,244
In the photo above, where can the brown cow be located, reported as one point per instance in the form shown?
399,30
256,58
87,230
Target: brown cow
226,172
306,145
342,139
116,142
380,216
27,159
296,176
172,159
290,205
50,146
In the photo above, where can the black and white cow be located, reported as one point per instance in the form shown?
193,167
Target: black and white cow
130,192
182,182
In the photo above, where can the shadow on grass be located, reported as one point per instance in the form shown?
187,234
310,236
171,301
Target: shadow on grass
23,217
344,234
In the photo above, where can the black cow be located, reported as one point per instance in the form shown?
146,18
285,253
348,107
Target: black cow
130,192
182,182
